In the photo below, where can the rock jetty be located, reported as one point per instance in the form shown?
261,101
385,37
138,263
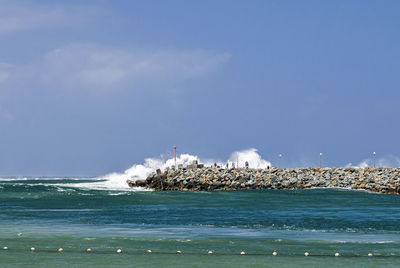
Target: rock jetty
199,178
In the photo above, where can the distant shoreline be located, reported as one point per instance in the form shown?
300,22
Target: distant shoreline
199,178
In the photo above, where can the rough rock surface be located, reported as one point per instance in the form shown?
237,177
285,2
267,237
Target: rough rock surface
382,180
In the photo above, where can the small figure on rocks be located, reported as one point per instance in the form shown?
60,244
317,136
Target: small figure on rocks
246,164
227,165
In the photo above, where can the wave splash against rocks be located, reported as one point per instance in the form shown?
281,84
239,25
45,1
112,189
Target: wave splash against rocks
199,178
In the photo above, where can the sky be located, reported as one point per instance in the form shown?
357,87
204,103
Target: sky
92,87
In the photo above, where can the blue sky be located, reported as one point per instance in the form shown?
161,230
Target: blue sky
91,87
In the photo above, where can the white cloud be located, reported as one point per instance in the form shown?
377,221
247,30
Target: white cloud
90,66
95,68
19,16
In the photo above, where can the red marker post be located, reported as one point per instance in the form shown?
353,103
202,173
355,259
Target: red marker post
175,155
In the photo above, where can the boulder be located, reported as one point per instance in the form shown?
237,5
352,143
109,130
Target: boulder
141,183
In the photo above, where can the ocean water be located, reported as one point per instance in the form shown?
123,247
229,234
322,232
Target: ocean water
49,214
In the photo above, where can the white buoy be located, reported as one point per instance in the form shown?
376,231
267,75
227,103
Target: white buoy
119,250
60,250
89,250
148,251
369,254
5,248
32,249
242,253
178,252
306,254
210,252
337,254
274,253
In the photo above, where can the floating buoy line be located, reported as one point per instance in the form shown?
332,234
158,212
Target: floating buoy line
179,252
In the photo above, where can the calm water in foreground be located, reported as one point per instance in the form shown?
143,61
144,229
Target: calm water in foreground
51,213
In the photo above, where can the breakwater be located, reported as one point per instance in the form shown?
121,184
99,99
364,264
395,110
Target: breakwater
199,178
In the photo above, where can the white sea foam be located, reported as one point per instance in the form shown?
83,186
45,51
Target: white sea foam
12,179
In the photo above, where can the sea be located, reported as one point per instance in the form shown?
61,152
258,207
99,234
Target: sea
52,222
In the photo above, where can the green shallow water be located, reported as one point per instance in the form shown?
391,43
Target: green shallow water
49,214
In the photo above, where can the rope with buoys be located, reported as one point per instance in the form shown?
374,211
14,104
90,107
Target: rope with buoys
209,252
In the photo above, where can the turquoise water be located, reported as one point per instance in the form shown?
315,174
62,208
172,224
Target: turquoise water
51,213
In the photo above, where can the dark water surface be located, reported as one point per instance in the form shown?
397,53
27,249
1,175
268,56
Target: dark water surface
48,214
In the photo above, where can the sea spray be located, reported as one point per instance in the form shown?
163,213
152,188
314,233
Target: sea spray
117,181
251,156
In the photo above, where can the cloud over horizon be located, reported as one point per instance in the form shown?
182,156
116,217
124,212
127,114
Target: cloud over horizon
94,68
